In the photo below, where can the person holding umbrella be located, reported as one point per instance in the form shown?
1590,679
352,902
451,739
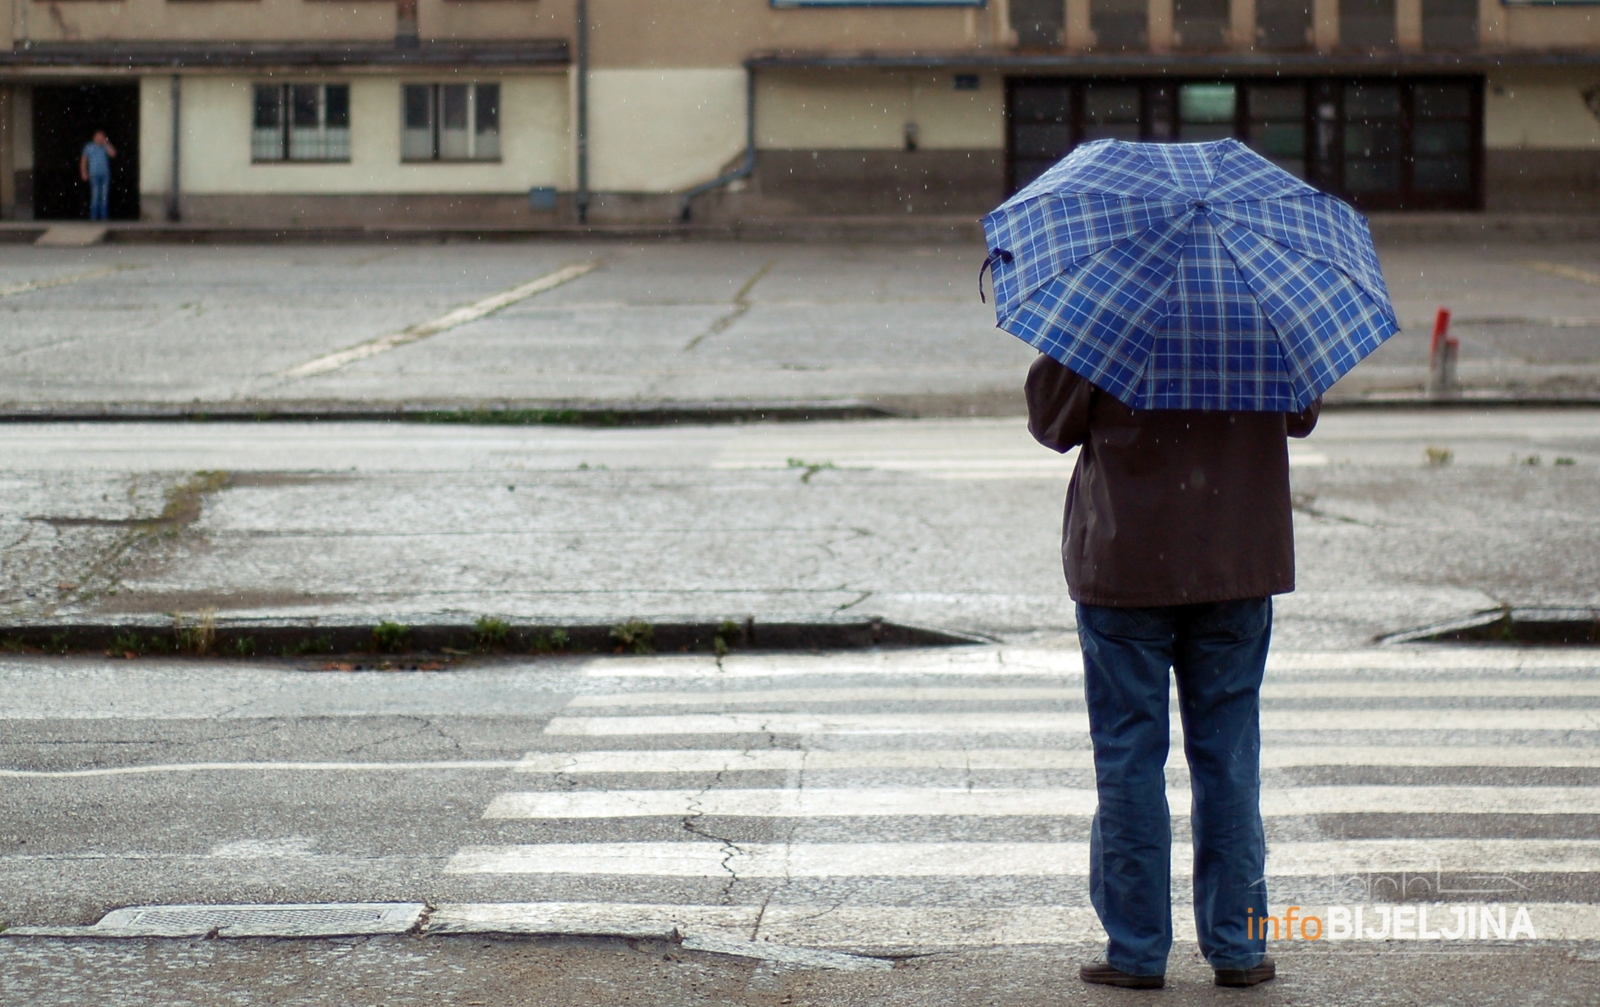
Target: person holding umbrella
1191,303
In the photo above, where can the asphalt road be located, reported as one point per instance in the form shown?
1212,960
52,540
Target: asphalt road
899,326
931,804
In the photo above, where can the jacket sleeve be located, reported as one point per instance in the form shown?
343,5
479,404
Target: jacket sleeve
1301,424
1058,405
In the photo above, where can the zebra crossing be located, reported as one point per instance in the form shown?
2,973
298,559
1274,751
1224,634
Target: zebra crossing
917,800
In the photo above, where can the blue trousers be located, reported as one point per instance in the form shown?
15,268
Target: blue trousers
1217,653
99,197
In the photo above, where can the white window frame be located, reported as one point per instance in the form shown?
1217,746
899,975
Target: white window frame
287,143
429,144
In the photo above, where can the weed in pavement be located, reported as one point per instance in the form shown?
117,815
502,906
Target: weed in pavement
490,632
390,636
634,636
811,468
1439,457
309,645
556,640
198,638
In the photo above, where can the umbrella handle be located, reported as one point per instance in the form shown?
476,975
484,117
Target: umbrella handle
998,255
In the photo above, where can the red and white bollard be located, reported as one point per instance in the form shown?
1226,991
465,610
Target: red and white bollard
1442,356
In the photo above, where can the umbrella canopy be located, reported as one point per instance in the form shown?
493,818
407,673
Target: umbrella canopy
1188,276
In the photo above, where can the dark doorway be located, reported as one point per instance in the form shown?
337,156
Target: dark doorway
65,117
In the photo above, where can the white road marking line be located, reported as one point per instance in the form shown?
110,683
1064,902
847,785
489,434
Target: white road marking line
862,802
62,281
1565,272
869,926
1067,661
1359,689
930,860
460,316
254,767
703,760
1063,723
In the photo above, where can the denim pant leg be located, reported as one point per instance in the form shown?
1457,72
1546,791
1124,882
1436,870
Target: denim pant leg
1126,656
1221,654
99,197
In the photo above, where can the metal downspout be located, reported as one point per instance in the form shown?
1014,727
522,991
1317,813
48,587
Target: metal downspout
582,31
174,212
744,170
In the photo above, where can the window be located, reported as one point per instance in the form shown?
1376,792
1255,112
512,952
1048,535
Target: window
1120,24
1200,24
1038,23
1382,143
451,122
1206,112
1449,24
1283,24
1367,24
301,122
1277,118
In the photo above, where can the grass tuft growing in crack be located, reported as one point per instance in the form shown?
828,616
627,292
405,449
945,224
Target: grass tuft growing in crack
390,637
634,637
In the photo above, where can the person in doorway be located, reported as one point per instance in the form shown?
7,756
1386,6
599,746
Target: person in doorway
94,165
1178,532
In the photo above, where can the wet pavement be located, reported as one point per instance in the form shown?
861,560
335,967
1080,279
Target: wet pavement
897,326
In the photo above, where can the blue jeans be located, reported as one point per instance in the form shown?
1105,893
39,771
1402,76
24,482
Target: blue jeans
1218,653
99,197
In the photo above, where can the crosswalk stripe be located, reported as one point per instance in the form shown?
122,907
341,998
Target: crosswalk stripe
714,760
1039,661
1357,689
920,926
883,801
928,860
1559,719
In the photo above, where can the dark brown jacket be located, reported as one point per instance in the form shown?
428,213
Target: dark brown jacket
1168,507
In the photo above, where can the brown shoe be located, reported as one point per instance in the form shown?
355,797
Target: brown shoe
1104,974
1247,977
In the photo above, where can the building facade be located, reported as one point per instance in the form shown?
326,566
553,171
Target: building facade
484,112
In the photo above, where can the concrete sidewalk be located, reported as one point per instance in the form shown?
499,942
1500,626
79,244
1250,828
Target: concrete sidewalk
713,326
947,524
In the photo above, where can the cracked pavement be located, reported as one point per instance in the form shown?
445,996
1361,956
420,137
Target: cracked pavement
130,782
899,326
951,524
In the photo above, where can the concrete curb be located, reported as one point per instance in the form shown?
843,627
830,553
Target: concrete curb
600,414
960,229
1538,626
376,919
161,636
886,229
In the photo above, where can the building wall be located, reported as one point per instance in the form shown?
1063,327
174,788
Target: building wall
704,33
870,109
663,130
216,120
840,141
203,20
1542,142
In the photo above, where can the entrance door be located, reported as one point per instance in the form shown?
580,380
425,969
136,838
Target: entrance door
65,117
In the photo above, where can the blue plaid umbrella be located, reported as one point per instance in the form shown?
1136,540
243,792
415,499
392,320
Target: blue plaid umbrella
1188,276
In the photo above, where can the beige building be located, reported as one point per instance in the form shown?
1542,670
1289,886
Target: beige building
285,112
